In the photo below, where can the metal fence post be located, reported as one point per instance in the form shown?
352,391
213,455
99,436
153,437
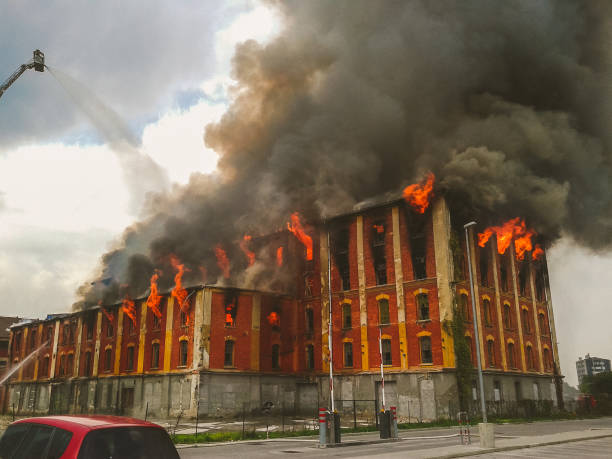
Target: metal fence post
354,414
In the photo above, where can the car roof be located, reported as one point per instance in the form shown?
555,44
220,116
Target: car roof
83,423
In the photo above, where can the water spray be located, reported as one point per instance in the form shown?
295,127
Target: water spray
16,368
37,63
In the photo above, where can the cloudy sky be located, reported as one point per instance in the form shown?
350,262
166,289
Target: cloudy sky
160,71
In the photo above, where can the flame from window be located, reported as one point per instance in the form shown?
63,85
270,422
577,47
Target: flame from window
418,195
222,261
244,246
154,297
109,315
279,256
230,310
514,229
178,292
274,319
537,252
295,226
379,228
129,309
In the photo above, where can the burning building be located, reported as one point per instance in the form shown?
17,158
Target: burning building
398,274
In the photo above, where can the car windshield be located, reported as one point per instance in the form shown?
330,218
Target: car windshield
33,441
128,443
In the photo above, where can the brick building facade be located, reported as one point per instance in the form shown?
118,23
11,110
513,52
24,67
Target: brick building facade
395,275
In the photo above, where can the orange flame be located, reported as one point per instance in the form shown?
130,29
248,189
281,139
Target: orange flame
274,319
379,228
129,309
154,297
229,320
418,195
537,252
109,315
178,291
244,247
298,231
222,261
512,229
279,256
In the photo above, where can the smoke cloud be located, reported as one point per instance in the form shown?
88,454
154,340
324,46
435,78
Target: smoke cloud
509,104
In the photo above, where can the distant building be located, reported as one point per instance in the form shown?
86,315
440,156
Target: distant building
590,366
5,323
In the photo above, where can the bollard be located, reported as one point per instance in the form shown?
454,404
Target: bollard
384,424
334,434
394,430
322,426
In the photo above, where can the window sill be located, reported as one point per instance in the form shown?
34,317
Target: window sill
423,321
427,364
228,367
181,366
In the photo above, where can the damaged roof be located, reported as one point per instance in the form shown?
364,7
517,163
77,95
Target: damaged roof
5,323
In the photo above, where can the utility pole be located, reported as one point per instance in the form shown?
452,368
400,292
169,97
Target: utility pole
329,327
382,373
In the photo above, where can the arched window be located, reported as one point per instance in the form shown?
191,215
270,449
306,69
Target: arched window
463,307
542,323
310,362
484,265
547,365
346,316
526,321
276,356
387,357
348,354
155,355
129,361
422,301
426,355
511,356
383,311
507,317
228,360
62,365
108,358
87,362
183,349
491,352
488,316
109,328
529,357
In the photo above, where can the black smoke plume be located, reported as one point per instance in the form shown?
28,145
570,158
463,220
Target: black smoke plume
508,103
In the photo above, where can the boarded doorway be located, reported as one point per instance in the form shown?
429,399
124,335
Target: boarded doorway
127,400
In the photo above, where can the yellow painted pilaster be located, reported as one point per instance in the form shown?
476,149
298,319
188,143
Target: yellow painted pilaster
40,341
77,351
519,322
96,355
363,310
399,288
168,340
142,337
255,331
534,307
498,307
24,345
323,256
118,341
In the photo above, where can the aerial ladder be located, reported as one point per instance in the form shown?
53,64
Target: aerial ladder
37,63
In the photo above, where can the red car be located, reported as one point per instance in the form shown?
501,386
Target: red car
85,437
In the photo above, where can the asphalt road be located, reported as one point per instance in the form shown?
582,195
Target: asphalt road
413,440
601,447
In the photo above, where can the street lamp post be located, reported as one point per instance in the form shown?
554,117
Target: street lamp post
486,431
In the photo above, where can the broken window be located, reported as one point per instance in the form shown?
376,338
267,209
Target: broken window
346,316
109,328
228,358
231,309
511,356
184,319
526,321
488,316
108,356
418,246
503,272
422,301
155,355
426,355
522,278
276,356
539,284
386,352
507,317
309,321
90,328
183,348
485,253
129,366
378,253
491,352
341,256
310,362
348,355
383,311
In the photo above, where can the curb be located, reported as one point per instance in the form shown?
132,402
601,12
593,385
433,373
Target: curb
360,443
515,447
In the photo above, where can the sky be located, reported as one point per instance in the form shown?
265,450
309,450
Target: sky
164,70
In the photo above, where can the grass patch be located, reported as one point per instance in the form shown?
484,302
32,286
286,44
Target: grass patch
211,437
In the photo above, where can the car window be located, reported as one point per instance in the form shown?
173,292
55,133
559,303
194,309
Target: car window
128,443
59,443
10,440
34,445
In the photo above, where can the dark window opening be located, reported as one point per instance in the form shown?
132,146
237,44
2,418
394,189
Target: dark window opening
87,364
422,301
348,355
529,357
71,334
418,246
542,322
341,256
44,372
488,316
108,357
70,364
378,253
32,340
183,348
503,272
130,359
383,311
66,332
523,277
231,309
526,321
491,353
62,365
511,356
346,316
155,355
109,328
539,285
464,309
49,335
426,354
89,329
309,321
386,352
485,254
276,356
507,317
310,362
228,358
547,363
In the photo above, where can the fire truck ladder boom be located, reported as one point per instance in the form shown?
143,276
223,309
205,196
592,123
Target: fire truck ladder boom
37,63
